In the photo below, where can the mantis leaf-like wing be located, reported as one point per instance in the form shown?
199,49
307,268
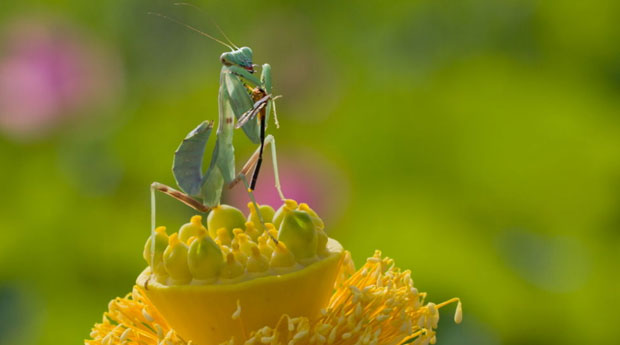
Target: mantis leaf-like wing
224,144
213,181
187,163
240,102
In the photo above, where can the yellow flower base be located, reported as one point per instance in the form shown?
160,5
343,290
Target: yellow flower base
375,305
210,314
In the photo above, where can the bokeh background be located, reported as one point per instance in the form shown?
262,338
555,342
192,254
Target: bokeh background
476,142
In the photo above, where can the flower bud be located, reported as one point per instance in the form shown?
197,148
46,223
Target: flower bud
321,243
298,232
232,268
257,262
156,260
263,245
271,231
223,237
244,242
175,260
266,213
193,228
239,255
224,216
281,257
225,249
289,204
205,258
318,222
252,231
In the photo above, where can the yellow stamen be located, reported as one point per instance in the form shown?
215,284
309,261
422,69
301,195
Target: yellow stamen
223,236
133,319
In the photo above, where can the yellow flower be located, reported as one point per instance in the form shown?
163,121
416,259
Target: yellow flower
247,298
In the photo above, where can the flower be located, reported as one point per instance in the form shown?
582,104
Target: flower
235,286
378,304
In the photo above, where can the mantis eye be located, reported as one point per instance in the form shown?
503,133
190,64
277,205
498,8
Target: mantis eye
224,59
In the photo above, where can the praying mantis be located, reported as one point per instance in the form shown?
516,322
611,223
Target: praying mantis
244,97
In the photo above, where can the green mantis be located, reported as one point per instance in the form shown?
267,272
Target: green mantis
242,97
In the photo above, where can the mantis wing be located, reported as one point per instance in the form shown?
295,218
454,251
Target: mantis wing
187,163
241,102
224,144
213,181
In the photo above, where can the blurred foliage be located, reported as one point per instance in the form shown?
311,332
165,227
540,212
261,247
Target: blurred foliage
478,143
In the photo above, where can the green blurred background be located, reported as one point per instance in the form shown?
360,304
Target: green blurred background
476,142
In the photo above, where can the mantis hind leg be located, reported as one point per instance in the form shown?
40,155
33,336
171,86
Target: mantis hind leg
242,177
274,160
253,161
182,197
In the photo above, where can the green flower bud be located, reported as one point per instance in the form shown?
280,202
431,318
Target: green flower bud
236,233
193,228
298,232
205,258
281,257
252,231
289,204
318,222
232,268
244,242
222,237
225,216
257,262
241,257
175,260
263,245
321,243
266,212
161,242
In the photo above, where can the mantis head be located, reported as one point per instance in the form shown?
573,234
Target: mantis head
241,57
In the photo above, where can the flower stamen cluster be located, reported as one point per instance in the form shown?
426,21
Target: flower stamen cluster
234,248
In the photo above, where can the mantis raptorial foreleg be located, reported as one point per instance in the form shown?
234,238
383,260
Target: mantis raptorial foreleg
253,160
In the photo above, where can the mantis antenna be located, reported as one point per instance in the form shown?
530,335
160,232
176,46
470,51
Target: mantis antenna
211,19
192,28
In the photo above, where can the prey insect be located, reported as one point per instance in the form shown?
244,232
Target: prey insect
242,95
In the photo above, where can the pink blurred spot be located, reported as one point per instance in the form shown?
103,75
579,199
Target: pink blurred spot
305,177
49,72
